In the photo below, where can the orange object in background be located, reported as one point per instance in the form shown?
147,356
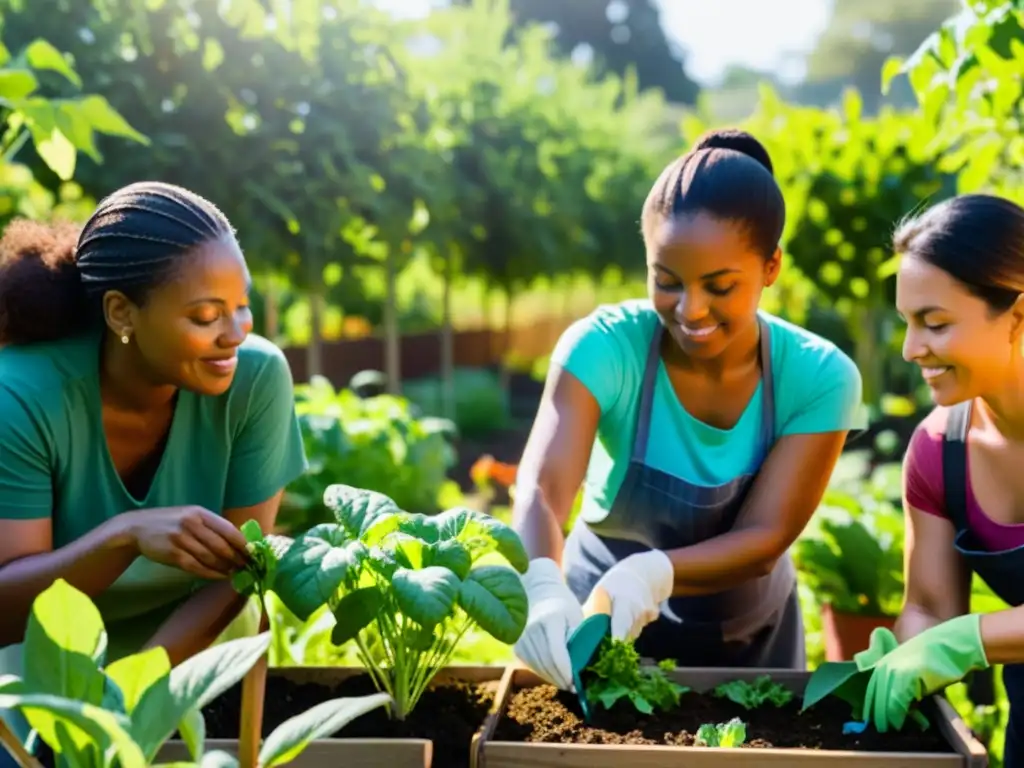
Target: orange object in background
486,469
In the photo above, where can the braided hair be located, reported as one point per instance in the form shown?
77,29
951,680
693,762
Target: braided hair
729,175
53,277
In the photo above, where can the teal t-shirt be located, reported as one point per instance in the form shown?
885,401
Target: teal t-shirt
233,450
817,389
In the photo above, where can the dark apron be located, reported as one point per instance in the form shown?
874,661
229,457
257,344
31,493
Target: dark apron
1002,571
758,624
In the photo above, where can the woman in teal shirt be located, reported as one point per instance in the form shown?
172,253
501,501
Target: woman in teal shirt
705,430
140,422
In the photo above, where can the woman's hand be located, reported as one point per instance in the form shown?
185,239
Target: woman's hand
554,614
636,588
191,538
921,666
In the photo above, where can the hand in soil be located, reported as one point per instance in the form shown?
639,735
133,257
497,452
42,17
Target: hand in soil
553,614
924,664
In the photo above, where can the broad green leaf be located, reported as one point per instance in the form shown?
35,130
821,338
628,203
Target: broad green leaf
356,508
16,84
64,632
76,129
426,596
105,119
91,723
134,674
192,685
355,610
290,738
892,67
451,555
494,597
56,151
251,531
150,719
315,566
481,534
193,732
42,55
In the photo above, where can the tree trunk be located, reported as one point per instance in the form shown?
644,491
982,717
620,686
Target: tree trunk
447,341
865,329
272,310
392,337
505,376
314,352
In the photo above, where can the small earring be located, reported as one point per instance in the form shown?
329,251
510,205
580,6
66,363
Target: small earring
124,337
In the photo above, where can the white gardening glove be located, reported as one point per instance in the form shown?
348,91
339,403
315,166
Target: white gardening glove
637,586
554,614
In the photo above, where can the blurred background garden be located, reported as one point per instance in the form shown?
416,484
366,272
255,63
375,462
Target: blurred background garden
428,193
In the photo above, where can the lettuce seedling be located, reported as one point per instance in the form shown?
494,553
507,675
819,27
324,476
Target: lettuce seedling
616,674
94,715
730,734
405,587
264,554
753,695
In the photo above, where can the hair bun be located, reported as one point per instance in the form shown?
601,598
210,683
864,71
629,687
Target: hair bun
737,140
41,292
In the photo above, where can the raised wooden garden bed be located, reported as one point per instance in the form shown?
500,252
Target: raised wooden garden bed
438,733
536,726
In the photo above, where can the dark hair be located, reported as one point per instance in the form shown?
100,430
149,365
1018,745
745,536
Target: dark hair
729,175
976,239
52,277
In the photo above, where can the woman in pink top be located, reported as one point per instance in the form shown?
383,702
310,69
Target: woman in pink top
959,289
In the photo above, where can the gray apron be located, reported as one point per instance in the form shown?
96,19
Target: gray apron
757,624
1002,571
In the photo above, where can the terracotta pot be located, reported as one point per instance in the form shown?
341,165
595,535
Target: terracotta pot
848,633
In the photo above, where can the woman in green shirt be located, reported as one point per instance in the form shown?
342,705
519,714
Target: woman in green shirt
140,422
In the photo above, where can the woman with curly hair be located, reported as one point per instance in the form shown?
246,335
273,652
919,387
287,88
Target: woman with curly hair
141,423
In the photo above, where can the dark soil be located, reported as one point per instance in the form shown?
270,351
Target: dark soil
448,714
545,714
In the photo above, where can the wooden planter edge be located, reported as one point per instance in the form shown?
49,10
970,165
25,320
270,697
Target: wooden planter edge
488,753
363,752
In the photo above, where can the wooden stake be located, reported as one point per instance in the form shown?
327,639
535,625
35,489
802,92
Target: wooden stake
254,686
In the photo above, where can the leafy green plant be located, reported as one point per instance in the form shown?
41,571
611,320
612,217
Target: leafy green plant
264,553
378,443
616,674
730,734
405,587
851,553
755,694
94,715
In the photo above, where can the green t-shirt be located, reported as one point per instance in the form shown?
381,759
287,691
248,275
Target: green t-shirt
233,450
817,389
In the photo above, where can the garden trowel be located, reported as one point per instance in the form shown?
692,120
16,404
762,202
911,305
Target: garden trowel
584,642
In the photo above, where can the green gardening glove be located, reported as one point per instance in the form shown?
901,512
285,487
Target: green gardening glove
926,663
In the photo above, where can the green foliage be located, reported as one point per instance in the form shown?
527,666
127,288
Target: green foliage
730,734
851,553
967,77
378,443
264,552
94,715
481,403
615,674
59,128
404,587
755,694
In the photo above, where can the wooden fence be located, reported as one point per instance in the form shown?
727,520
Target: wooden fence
420,354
